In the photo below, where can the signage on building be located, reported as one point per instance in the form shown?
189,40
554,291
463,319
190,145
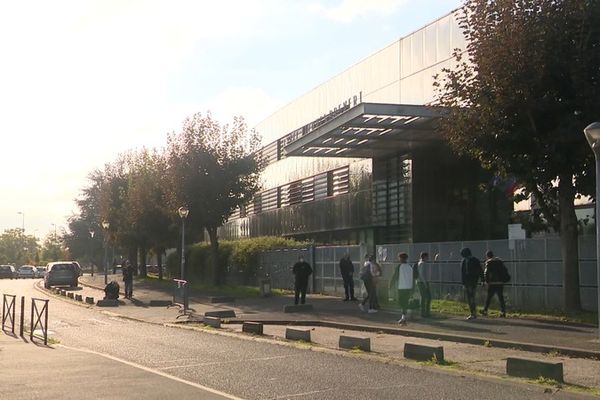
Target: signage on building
322,120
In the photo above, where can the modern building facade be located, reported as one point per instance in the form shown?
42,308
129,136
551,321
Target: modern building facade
360,159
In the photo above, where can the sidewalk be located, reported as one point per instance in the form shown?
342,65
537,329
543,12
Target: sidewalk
346,314
387,338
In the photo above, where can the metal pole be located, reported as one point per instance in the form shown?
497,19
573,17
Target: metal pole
105,264
22,315
596,218
182,248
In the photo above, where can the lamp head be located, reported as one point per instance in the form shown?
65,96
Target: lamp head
183,212
592,134
105,224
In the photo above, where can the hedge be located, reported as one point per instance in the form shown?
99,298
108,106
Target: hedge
236,257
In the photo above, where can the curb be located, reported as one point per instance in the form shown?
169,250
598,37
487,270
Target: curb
503,344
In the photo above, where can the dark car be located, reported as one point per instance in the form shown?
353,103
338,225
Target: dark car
62,273
7,272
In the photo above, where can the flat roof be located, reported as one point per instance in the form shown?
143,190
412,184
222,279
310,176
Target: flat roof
367,130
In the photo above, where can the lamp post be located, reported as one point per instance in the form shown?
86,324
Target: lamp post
92,233
592,134
22,222
105,226
183,213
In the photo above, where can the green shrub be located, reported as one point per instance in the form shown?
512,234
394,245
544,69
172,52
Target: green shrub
238,257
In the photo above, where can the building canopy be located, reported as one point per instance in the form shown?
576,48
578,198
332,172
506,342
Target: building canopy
367,130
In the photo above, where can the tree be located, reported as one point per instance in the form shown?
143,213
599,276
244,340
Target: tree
212,170
17,248
519,98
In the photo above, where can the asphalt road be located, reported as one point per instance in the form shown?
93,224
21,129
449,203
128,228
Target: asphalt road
249,369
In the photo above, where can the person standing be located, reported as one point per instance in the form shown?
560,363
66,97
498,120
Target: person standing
302,271
495,276
424,274
366,276
403,280
347,271
128,279
471,273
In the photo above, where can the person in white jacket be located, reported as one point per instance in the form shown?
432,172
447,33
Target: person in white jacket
402,280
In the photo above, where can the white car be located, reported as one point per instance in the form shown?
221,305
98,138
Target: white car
27,271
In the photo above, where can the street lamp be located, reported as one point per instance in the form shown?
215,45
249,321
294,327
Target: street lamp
92,233
183,213
105,226
22,222
592,134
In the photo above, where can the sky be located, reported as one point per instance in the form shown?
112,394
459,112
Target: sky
82,81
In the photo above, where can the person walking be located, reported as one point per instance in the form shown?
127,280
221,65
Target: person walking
423,277
495,276
347,271
302,271
128,279
471,273
403,281
366,275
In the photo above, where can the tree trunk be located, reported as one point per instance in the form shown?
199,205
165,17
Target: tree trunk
569,243
159,254
143,262
133,259
214,252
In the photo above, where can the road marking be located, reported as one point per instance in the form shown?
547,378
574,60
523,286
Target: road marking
153,371
224,362
287,396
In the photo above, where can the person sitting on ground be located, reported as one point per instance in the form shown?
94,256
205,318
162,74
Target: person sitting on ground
111,291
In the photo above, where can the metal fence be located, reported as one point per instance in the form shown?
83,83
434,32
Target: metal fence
535,267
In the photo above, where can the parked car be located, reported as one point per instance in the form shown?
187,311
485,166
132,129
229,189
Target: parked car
27,271
61,273
41,271
78,267
7,272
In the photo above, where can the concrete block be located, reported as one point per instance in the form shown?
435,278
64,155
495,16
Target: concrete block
220,313
294,308
107,303
63,292
297,334
160,303
252,327
71,295
526,368
78,297
221,299
351,342
423,353
215,322
89,300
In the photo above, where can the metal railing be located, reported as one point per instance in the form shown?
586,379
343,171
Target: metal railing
39,318
8,311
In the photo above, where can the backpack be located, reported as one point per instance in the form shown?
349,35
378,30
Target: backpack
365,272
504,275
415,270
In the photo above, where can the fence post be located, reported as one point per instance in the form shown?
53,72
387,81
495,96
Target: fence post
22,319
46,324
31,320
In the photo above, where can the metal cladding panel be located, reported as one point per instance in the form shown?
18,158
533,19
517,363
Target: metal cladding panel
369,76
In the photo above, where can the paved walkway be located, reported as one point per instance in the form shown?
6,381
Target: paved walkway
489,360
327,308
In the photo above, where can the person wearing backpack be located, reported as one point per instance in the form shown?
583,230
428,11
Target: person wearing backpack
422,278
495,276
368,274
471,273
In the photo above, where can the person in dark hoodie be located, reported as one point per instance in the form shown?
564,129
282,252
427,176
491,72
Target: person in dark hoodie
471,272
302,271
495,276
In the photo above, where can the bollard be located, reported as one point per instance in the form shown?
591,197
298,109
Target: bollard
423,353
89,300
252,327
215,322
297,334
351,342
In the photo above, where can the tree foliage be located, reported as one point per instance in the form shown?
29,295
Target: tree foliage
519,98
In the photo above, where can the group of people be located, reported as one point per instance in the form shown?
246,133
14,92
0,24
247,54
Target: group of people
493,273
